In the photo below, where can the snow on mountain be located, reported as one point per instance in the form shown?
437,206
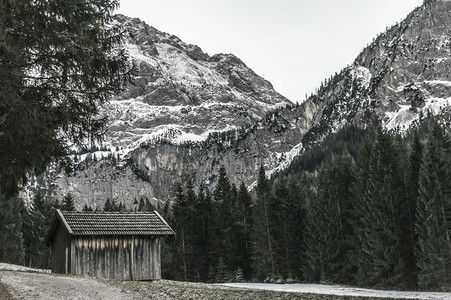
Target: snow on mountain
399,78
187,113
181,94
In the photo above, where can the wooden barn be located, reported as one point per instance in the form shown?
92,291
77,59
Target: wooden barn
110,245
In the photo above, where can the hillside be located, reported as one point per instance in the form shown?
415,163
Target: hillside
188,113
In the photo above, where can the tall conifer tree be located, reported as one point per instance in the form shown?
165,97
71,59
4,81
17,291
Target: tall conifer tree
59,62
263,262
329,229
433,217
243,229
384,219
11,238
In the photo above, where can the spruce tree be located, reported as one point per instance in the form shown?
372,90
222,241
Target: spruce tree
288,219
329,229
108,207
141,204
11,238
87,208
36,223
384,233
299,195
202,234
263,262
414,165
191,232
224,199
68,203
433,217
243,230
182,210
59,62
359,192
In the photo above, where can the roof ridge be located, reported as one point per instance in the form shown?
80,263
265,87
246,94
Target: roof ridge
108,212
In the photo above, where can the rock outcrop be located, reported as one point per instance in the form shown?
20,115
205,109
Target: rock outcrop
189,113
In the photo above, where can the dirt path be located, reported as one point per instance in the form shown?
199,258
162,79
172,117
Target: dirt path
22,285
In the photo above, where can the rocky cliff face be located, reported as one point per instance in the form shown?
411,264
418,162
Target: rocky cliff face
188,113
403,75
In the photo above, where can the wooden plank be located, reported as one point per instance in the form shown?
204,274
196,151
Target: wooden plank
157,258
72,256
120,261
107,256
95,255
102,257
66,258
132,259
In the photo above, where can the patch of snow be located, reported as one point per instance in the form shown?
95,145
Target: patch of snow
287,158
438,82
340,290
404,117
17,268
182,68
136,53
362,73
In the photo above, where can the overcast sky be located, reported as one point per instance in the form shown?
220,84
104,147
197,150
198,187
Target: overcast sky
295,44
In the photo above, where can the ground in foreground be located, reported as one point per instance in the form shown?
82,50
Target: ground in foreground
23,283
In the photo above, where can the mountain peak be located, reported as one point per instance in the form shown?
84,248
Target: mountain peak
188,113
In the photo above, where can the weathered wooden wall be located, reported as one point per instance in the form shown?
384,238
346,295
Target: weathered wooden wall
60,250
113,257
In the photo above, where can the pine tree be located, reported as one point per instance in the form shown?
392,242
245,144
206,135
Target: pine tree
181,213
141,204
224,199
108,207
11,239
87,208
433,218
384,232
68,203
299,194
263,263
288,220
202,234
243,230
191,232
329,228
359,191
415,161
36,223
59,62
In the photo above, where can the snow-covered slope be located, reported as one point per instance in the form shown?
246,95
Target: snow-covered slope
188,113
181,94
185,115
402,76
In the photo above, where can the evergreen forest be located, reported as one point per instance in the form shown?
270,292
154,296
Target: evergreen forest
365,208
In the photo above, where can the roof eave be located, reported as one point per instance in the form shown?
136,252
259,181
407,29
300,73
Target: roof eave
58,216
164,221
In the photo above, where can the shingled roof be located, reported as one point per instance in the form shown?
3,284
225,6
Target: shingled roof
111,223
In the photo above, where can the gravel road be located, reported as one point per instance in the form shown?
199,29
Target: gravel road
22,285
